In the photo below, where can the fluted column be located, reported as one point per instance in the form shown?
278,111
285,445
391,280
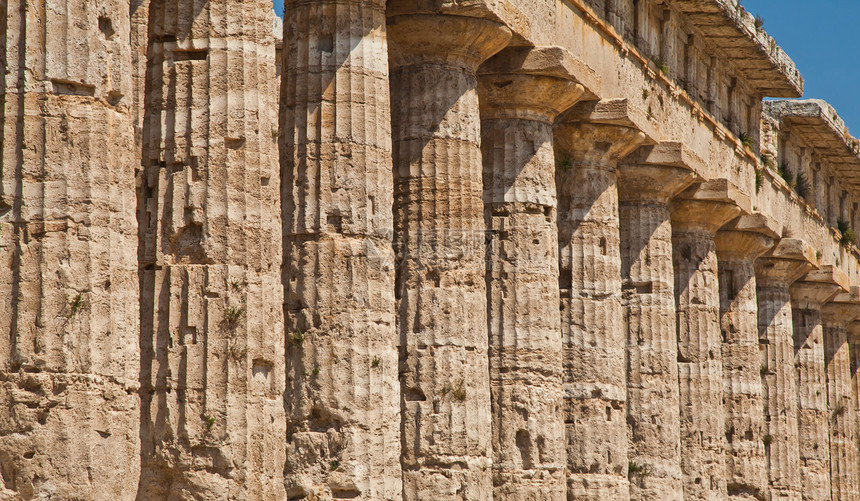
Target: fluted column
854,352
808,295
837,315
521,93
775,272
342,399
439,241
648,179
211,301
590,140
697,214
69,357
738,245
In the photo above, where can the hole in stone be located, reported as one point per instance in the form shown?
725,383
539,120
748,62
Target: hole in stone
345,493
190,55
326,43
524,445
29,455
602,246
106,27
414,395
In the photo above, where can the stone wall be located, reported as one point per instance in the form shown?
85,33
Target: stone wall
421,249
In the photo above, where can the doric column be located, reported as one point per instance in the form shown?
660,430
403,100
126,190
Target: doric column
697,213
648,180
521,92
69,356
589,141
211,306
343,399
439,241
738,245
854,353
837,315
807,297
775,272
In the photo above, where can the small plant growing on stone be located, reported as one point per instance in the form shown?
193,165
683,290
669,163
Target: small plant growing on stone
801,185
210,420
298,338
375,363
459,392
815,446
746,140
565,163
333,465
762,370
232,315
645,94
767,440
786,174
316,370
661,65
276,133
634,468
76,304
848,234
759,22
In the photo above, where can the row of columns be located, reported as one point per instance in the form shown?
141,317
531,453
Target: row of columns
679,364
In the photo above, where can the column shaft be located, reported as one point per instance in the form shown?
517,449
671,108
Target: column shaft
342,399
525,350
69,358
210,257
592,322
746,462
648,301
439,240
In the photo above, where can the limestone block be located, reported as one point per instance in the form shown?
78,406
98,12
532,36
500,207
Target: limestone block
590,140
439,242
211,311
520,96
69,363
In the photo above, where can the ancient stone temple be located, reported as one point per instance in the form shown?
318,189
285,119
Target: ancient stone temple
441,250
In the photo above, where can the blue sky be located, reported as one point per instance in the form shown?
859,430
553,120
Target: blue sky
823,39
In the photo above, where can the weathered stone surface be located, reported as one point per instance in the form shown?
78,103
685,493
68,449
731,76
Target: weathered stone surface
738,244
648,179
837,315
808,295
521,95
590,140
439,240
69,363
780,267
343,398
697,213
212,332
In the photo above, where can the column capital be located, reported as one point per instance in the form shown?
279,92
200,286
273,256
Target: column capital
746,237
844,308
818,287
656,173
600,133
533,83
708,206
787,261
444,39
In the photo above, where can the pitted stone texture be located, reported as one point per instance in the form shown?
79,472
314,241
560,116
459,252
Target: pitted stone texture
587,152
69,360
343,397
807,297
648,300
836,316
775,272
525,347
697,213
439,240
211,308
738,245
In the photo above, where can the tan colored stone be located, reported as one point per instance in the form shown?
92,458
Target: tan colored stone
521,95
648,179
590,140
439,240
